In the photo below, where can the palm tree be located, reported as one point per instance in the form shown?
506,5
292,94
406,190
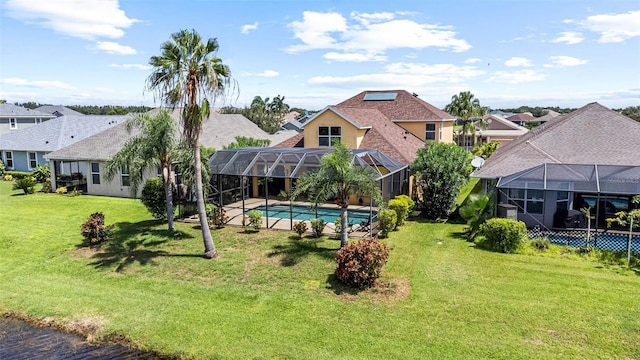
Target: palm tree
466,107
187,74
338,178
151,148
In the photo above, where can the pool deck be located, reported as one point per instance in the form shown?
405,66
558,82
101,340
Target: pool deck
234,212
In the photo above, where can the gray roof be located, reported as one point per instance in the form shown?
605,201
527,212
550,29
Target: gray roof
10,110
58,110
548,116
217,131
58,133
592,134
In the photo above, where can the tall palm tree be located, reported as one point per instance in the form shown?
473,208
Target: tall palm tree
152,147
338,178
467,107
187,74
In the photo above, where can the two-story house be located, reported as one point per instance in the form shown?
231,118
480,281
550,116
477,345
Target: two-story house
14,117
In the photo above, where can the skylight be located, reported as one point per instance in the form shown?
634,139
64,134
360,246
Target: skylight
386,96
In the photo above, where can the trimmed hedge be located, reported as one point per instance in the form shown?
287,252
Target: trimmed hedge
503,235
18,174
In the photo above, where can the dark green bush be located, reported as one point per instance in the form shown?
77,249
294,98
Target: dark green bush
18,174
94,231
300,228
42,173
402,210
503,235
26,184
360,262
154,199
317,226
541,244
387,219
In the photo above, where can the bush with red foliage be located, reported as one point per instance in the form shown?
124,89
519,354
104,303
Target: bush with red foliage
94,231
360,262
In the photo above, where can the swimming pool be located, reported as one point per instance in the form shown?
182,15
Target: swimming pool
300,212
608,241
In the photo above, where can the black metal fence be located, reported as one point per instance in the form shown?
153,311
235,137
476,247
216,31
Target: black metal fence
615,241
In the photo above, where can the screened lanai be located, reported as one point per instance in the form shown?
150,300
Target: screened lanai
270,174
545,193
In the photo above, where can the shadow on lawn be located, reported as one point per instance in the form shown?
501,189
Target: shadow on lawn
338,287
296,249
138,242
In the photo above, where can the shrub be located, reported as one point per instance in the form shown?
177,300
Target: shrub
2,168
217,216
408,200
75,192
317,225
18,174
8,177
387,219
503,235
154,199
46,186
25,184
337,223
94,231
255,219
541,244
402,210
360,263
61,190
42,173
300,228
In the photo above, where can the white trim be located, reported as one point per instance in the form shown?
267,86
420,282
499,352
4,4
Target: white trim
94,173
34,159
124,174
13,123
5,160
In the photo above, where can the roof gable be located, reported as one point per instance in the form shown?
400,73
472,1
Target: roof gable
592,134
10,110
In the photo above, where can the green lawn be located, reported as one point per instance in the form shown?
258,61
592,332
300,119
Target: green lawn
270,295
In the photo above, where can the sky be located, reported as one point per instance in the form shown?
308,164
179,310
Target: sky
563,53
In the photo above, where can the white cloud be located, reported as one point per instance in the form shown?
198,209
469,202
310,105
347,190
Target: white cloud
49,84
353,57
472,60
105,90
517,61
402,75
514,77
111,47
370,34
569,38
266,73
614,27
131,66
87,19
567,60
249,27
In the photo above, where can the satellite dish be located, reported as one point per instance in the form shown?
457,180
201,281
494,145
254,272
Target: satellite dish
477,162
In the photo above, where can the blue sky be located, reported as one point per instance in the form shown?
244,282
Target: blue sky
315,53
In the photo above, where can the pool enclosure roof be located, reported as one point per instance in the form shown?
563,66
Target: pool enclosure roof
589,178
293,162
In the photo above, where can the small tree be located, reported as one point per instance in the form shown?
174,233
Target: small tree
440,170
478,209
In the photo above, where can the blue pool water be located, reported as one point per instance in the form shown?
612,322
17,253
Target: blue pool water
299,212
615,242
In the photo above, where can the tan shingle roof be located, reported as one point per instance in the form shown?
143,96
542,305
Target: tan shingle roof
404,107
592,134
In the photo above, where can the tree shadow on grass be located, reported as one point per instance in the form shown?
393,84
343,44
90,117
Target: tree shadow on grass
339,288
296,249
138,242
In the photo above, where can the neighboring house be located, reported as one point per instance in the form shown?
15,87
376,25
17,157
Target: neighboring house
548,116
523,119
14,117
89,157
589,157
58,110
498,129
24,150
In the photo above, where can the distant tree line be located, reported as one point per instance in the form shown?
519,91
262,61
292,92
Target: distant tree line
538,111
267,113
93,109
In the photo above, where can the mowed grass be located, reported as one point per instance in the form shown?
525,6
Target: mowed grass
270,295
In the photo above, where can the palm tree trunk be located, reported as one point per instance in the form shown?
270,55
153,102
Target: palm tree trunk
168,194
209,248
344,225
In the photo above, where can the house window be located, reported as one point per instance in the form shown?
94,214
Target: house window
8,159
13,123
124,176
95,173
33,160
327,135
431,132
528,201
562,202
38,120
